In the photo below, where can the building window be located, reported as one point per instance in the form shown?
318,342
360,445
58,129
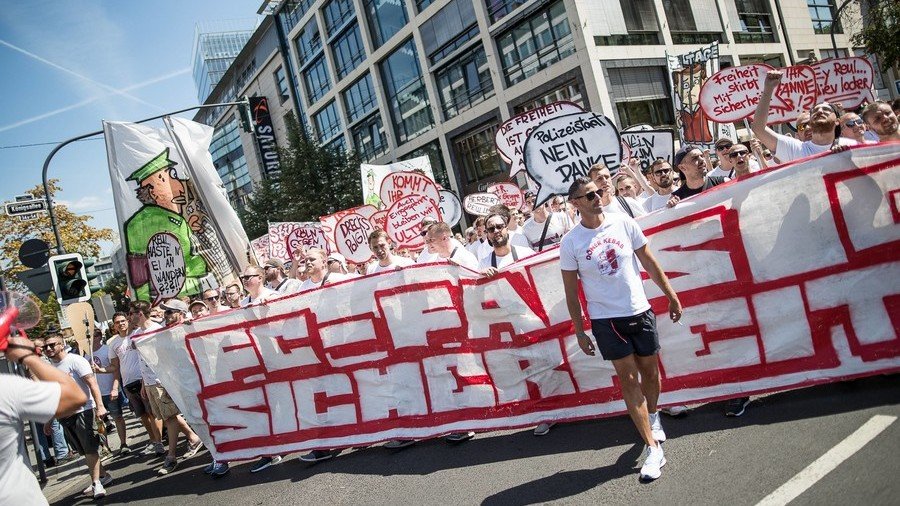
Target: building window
281,82
421,5
656,112
316,79
291,12
230,163
477,154
308,42
336,13
449,29
386,17
465,83
693,21
641,95
640,22
498,9
328,123
359,98
755,22
348,51
822,13
536,43
570,92
433,151
406,92
368,136
339,144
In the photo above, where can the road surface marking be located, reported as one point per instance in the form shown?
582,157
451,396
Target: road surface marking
828,462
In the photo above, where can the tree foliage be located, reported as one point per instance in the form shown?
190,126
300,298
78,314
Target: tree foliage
77,235
315,181
880,31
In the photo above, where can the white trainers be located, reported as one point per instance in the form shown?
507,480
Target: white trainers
104,480
99,491
652,468
656,427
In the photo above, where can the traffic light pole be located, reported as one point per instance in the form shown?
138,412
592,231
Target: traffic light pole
59,245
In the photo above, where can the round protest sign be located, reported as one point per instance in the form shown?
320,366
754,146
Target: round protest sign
309,236
511,136
165,257
479,203
379,219
732,94
510,194
796,93
450,207
404,220
351,237
844,80
397,185
366,211
564,148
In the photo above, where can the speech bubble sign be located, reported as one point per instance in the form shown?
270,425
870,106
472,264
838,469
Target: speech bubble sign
564,148
328,222
366,211
309,236
648,145
352,237
397,185
404,220
847,81
260,247
479,203
796,93
379,219
511,135
450,207
510,194
165,257
732,94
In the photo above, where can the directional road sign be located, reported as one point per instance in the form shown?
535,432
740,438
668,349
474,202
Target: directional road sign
26,207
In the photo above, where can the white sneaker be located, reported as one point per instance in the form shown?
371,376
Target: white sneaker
104,480
99,491
656,427
652,468
543,428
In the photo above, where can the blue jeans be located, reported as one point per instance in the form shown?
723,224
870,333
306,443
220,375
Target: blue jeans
60,447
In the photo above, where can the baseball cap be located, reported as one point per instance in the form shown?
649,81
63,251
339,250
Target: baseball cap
175,305
338,257
679,156
274,262
723,140
198,303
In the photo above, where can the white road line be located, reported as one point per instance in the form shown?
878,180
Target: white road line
828,462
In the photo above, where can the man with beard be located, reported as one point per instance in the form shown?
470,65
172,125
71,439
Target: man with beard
823,119
662,175
503,253
882,120
802,127
693,164
380,243
853,127
277,280
611,202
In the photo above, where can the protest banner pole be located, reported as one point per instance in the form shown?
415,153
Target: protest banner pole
53,224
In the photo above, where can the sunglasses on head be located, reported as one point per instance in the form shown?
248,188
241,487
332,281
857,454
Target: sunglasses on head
590,196
724,147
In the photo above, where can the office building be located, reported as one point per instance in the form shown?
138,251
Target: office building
216,43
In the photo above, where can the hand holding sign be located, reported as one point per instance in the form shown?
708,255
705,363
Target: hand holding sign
732,94
165,258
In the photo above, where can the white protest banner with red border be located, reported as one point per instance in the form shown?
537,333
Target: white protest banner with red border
732,94
289,236
479,203
781,289
510,194
404,220
511,135
351,236
397,185
847,81
797,93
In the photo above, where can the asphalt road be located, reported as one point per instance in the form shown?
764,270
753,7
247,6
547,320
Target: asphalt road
711,460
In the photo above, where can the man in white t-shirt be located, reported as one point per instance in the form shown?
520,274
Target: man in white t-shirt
822,122
277,280
317,271
603,250
502,253
380,244
882,120
663,176
480,246
109,387
599,173
439,239
80,428
55,394
257,291
556,227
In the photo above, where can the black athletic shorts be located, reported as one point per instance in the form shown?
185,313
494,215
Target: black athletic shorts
138,405
81,432
619,337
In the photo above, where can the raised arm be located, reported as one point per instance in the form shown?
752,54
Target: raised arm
758,125
70,395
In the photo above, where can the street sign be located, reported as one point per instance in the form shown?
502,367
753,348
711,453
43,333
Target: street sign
26,207
23,197
34,253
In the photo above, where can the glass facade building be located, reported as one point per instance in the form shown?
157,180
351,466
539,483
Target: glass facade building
215,47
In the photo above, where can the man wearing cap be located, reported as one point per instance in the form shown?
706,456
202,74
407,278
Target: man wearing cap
693,164
276,278
726,167
337,264
199,309
823,118
162,195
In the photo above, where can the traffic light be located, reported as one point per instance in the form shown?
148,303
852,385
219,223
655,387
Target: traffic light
70,278
245,116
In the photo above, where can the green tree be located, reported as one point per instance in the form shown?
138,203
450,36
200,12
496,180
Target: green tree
315,181
880,31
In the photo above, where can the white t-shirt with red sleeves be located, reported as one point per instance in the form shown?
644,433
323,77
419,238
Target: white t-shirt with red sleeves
605,260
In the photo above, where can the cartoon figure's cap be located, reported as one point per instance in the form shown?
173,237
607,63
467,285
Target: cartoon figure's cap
158,163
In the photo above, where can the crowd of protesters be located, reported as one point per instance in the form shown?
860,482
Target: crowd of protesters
114,377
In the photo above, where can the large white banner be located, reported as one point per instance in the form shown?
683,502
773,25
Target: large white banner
788,278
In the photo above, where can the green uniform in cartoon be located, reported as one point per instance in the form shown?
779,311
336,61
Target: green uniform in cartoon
162,195
372,199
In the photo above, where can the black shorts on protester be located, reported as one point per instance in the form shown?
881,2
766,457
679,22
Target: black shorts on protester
138,404
619,337
81,432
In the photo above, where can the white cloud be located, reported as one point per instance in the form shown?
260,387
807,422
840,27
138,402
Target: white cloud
88,203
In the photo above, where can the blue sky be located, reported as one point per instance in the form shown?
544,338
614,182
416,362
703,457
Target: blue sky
67,65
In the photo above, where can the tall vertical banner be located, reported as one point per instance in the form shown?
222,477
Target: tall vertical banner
176,224
264,133
688,73
372,176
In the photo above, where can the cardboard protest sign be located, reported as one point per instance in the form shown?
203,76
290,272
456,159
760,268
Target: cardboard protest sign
372,175
379,219
564,148
771,303
479,203
847,81
352,237
166,261
450,207
260,248
329,222
511,136
732,94
510,194
397,185
797,93
648,145
689,71
404,220
289,236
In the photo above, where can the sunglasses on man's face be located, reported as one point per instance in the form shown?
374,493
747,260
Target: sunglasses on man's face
245,277
495,228
853,122
724,147
737,154
215,297
590,196
661,172
802,127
